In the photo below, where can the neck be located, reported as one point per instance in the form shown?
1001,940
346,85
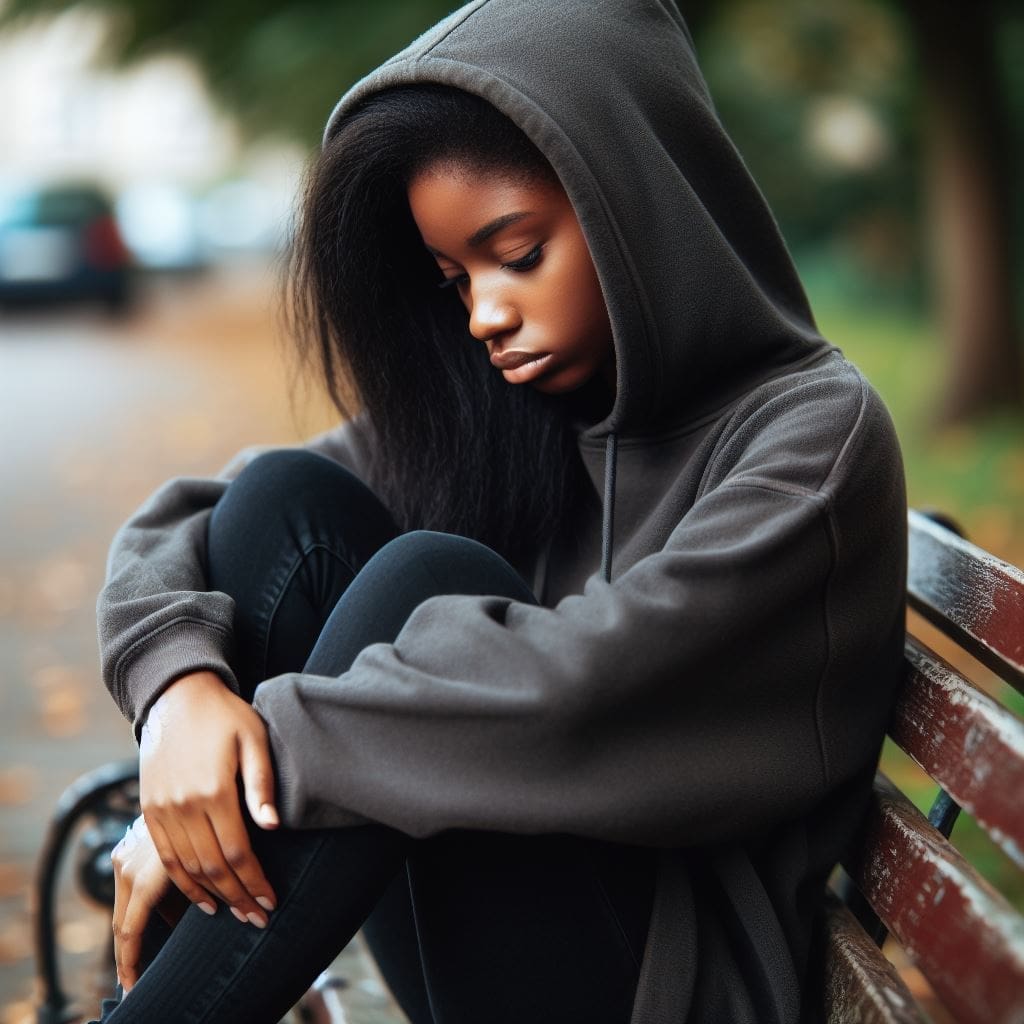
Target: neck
593,401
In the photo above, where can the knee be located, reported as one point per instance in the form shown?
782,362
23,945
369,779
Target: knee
452,564
286,471
294,489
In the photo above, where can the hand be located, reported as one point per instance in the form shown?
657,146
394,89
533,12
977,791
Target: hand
141,885
198,738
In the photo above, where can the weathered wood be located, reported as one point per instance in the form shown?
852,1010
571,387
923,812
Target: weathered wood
970,595
972,746
963,935
860,986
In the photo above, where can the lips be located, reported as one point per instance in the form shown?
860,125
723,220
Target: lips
519,367
514,359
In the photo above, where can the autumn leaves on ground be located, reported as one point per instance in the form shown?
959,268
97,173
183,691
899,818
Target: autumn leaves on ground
95,413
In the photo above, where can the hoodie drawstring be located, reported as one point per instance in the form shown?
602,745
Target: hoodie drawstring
608,512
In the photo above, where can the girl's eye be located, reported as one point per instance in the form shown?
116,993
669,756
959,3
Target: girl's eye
456,282
528,261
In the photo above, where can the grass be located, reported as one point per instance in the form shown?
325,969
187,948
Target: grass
974,472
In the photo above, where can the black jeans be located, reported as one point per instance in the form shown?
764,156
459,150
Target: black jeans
465,926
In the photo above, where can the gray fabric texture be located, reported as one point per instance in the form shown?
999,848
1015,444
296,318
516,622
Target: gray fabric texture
724,696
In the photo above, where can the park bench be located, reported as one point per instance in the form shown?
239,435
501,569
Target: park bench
901,876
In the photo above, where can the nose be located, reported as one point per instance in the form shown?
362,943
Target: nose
490,314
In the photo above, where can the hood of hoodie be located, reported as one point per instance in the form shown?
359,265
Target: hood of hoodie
702,295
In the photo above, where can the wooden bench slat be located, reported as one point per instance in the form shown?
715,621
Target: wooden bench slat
860,985
972,596
963,935
971,745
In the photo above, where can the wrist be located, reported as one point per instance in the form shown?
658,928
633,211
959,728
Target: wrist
184,688
191,682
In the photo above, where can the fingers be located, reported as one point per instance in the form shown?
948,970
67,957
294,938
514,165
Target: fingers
204,854
258,780
200,739
170,857
126,958
242,871
140,885
128,929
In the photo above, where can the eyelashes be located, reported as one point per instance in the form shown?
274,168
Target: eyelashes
531,259
524,263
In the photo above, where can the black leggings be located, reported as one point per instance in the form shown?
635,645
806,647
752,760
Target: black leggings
465,926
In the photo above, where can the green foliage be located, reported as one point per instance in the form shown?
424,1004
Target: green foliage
279,67
973,472
797,83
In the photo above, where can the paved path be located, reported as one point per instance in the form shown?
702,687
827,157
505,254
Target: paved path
93,416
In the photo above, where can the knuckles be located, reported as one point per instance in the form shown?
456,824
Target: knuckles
236,857
215,872
183,804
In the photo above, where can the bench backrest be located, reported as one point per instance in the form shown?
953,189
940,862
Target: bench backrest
963,935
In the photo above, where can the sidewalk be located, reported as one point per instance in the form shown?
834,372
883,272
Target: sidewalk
94,415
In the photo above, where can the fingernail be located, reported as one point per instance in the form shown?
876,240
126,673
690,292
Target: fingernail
268,815
265,903
256,920
207,908
238,914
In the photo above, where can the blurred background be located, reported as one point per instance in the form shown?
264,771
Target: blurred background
150,152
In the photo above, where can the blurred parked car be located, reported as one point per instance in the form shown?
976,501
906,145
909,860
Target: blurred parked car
62,242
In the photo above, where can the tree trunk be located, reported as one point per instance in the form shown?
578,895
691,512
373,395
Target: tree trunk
969,197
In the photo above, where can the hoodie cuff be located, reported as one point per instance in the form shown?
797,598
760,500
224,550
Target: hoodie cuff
299,785
287,789
172,652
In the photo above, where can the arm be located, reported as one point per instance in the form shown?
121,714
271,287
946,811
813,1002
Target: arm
727,681
157,620
165,645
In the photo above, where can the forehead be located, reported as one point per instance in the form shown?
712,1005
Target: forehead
454,201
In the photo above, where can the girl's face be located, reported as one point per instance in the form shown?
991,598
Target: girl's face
514,252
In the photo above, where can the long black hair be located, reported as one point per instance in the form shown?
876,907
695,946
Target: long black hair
456,447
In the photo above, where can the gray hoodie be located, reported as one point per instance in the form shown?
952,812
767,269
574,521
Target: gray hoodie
717,684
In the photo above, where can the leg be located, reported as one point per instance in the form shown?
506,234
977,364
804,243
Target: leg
285,541
507,928
287,538
537,928
285,564
547,929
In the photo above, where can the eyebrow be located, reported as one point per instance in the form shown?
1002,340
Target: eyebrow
494,226
490,228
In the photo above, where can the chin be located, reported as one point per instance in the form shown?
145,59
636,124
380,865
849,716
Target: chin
562,383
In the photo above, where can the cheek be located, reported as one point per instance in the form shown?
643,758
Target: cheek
594,315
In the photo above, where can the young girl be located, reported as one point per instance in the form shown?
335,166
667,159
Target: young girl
569,653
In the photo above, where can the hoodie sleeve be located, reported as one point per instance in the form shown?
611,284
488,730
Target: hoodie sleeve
156,619
705,692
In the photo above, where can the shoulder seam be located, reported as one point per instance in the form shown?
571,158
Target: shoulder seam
850,437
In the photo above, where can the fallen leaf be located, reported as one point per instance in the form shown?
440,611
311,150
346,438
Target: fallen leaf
59,585
20,1012
18,784
51,678
63,712
15,943
14,880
